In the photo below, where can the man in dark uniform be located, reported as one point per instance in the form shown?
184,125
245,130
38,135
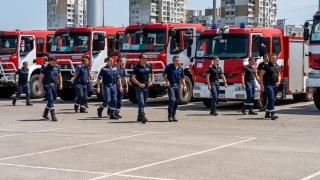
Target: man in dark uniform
110,76
50,76
140,77
23,84
81,77
269,82
173,74
263,95
124,84
249,74
43,65
213,74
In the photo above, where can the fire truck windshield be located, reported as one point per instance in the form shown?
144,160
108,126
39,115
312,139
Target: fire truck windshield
230,46
315,33
75,42
146,40
8,44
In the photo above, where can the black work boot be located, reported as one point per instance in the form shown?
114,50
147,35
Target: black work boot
118,115
263,109
139,119
174,118
100,109
86,105
251,112
109,112
267,115
83,110
45,114
273,116
170,117
212,110
243,110
14,101
53,116
144,119
112,115
28,103
76,107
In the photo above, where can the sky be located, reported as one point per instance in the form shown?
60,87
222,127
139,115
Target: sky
31,14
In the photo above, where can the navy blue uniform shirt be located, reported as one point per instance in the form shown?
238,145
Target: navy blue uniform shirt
83,74
215,73
272,73
249,73
174,74
109,75
50,74
142,73
122,73
23,76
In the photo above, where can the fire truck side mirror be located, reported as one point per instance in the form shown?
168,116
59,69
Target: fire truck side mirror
118,36
190,42
306,24
173,44
118,45
173,33
189,51
306,34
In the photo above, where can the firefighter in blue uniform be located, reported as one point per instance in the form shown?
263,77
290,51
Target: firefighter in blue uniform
173,74
51,77
81,77
124,85
110,77
249,74
140,77
269,82
23,84
213,75
263,94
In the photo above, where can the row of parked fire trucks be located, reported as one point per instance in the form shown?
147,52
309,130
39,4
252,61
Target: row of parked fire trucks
160,42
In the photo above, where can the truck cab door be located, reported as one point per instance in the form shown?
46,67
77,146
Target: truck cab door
27,50
99,50
182,43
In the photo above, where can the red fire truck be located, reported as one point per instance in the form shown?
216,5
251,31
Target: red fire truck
17,47
234,46
160,42
70,45
313,81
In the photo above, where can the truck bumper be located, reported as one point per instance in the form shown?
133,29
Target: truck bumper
313,84
232,92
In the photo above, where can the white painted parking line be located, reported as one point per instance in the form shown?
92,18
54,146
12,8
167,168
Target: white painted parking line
311,176
79,171
174,159
75,146
45,130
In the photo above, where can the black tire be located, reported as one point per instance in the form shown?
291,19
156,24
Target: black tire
316,99
185,97
207,102
6,92
306,97
258,104
132,96
34,87
296,97
67,94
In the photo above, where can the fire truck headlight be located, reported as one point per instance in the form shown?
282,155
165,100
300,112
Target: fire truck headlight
76,57
238,88
5,58
314,75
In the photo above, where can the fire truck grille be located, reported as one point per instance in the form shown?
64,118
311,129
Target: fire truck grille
317,61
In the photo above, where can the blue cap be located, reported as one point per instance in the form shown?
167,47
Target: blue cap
214,26
242,25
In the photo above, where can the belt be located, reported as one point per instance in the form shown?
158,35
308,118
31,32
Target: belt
51,84
110,84
214,81
249,80
175,84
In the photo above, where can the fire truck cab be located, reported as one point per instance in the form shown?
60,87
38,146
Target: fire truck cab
234,46
161,42
17,47
70,45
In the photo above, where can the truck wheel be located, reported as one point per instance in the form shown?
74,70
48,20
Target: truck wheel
258,104
34,87
6,92
67,94
296,97
305,97
316,99
185,97
132,96
207,102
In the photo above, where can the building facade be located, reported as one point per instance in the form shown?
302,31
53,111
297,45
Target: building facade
255,13
66,13
157,11
196,17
